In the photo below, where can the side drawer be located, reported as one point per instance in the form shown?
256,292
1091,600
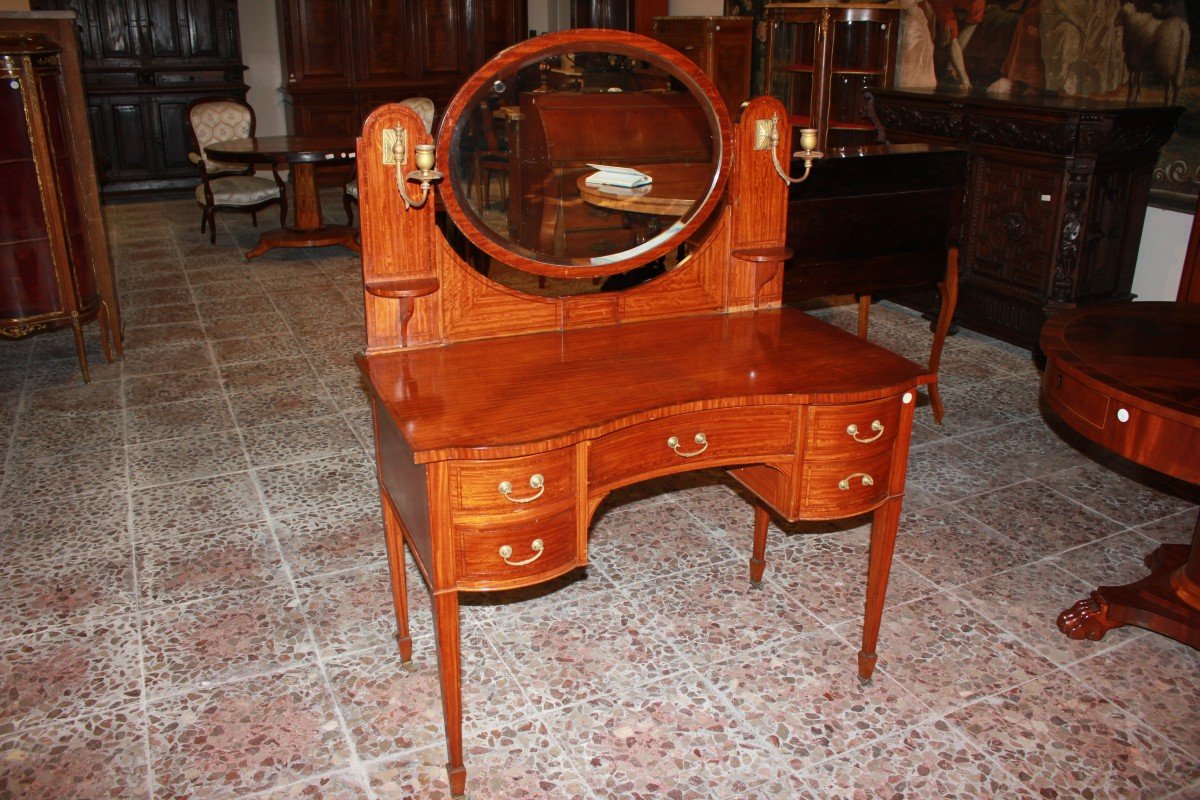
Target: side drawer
691,441
510,485
1073,399
836,489
516,553
851,431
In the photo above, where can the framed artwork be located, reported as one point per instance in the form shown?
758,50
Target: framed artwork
1146,50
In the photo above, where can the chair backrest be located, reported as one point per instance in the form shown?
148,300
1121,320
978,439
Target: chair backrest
219,119
424,108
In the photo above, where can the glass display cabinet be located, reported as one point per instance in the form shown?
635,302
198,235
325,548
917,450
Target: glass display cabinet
820,57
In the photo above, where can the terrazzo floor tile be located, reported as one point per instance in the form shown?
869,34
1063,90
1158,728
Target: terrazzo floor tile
1114,561
76,525
946,654
1059,738
714,612
620,542
977,405
331,539
931,761
804,697
352,610
159,296
391,707
1038,518
55,478
1149,677
90,757
337,786
152,336
160,315
1114,495
1026,602
185,459
191,384
254,348
202,417
945,471
244,325
933,538
37,592
670,739
68,672
206,504
1029,447
523,762
344,479
578,586
222,638
84,398
586,650
262,375
49,435
304,440
176,570
828,576
294,403
1173,529
245,736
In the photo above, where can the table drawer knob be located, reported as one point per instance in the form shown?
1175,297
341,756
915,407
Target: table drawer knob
852,431
700,439
844,483
536,481
1122,415
536,546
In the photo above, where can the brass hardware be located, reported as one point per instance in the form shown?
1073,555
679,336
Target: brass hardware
536,481
700,439
808,140
536,546
844,483
764,133
395,146
852,431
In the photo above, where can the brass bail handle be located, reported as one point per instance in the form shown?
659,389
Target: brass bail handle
700,439
852,431
536,481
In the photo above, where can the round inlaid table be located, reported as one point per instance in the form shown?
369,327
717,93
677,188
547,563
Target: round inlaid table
1127,377
302,154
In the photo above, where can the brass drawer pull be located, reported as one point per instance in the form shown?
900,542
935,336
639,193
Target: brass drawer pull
701,440
536,546
852,431
844,483
536,481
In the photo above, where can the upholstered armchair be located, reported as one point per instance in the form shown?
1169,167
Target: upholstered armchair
425,110
223,185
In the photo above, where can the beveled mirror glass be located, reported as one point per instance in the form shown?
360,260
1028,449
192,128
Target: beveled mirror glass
521,142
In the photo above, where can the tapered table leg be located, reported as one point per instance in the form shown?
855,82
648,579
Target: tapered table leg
445,618
394,537
883,542
762,519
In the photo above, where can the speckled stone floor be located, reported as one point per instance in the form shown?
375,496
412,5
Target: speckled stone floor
194,598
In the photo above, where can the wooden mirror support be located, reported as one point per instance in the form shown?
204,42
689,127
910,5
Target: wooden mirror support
503,419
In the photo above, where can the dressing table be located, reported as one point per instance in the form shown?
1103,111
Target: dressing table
503,419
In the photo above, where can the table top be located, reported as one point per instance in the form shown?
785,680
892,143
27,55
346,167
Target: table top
675,189
290,149
1145,353
519,395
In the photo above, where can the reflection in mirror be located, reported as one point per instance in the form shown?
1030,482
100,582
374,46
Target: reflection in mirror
520,155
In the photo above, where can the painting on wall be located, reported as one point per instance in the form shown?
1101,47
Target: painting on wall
1118,49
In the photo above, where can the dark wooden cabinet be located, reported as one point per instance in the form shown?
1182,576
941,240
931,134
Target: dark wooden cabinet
622,15
344,58
1057,190
144,62
719,45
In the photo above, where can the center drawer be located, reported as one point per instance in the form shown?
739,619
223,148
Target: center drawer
690,441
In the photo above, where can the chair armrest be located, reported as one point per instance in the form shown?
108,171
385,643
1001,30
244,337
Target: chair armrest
195,158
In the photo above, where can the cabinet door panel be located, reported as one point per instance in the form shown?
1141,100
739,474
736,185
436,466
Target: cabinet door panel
497,24
115,37
317,31
443,37
381,44
203,28
161,23
171,135
127,128
1012,227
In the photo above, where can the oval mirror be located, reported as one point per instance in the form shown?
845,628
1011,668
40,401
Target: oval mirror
582,154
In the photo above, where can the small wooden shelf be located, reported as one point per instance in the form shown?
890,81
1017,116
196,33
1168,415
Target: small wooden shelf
404,290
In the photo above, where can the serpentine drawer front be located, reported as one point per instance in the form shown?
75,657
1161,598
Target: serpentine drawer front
1071,398
837,489
690,441
850,431
511,554
512,485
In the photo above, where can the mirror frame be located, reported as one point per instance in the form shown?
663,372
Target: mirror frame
590,40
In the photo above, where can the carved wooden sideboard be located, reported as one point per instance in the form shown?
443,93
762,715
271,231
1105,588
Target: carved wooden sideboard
502,419
1056,196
